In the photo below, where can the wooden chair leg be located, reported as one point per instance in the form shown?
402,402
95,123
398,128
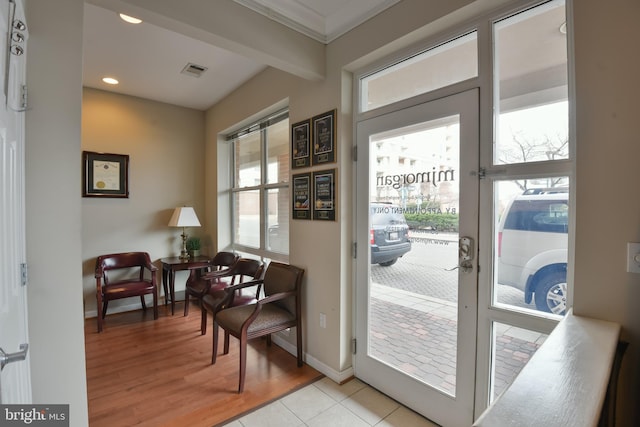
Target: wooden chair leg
99,316
226,342
243,363
203,321
144,304
186,303
104,308
214,350
269,340
155,305
299,343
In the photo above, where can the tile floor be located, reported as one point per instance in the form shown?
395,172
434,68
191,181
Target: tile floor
325,403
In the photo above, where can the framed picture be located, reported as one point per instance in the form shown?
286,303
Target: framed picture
105,175
301,144
324,206
324,144
302,196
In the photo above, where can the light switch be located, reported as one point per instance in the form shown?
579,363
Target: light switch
633,257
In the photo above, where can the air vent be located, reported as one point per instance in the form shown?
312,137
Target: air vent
193,70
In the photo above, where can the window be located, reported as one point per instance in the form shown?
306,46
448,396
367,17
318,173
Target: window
443,65
260,193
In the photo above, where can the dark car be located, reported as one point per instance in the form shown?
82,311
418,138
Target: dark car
389,234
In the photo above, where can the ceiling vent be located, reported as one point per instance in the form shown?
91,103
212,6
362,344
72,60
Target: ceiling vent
193,70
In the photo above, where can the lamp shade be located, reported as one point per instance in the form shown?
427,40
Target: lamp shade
184,216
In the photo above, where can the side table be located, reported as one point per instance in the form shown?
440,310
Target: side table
173,264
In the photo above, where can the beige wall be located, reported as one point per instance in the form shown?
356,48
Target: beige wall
53,211
608,207
608,214
165,145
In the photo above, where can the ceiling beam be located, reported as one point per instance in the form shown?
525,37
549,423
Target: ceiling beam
228,25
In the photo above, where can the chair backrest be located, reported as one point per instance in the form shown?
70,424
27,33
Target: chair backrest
281,277
124,260
246,268
223,259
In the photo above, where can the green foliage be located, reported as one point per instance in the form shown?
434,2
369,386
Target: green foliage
430,221
193,244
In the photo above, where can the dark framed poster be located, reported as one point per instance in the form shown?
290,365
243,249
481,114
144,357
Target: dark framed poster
105,175
324,185
302,196
301,144
324,141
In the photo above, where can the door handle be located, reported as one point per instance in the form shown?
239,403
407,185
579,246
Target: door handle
465,254
5,358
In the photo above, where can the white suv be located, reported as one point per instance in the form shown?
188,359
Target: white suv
532,247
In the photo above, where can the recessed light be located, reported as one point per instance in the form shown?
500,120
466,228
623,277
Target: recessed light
130,19
110,81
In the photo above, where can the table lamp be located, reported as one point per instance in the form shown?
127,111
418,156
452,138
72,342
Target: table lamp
183,217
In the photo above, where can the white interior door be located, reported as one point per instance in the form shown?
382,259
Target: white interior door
15,382
416,314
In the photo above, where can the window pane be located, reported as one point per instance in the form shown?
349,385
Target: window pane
530,69
247,157
449,63
532,218
278,220
512,349
278,152
247,214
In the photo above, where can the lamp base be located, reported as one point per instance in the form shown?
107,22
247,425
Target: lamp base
184,254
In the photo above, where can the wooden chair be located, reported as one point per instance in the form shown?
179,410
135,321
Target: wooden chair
122,275
216,297
278,310
196,287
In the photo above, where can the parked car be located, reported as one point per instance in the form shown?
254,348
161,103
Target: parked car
389,234
532,247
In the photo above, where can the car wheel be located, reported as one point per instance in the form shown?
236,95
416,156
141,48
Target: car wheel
388,263
551,293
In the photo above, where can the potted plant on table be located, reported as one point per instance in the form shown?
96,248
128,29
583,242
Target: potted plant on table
193,246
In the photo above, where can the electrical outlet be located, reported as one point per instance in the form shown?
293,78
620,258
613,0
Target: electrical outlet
633,257
323,320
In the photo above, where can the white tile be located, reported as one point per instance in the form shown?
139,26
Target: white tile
272,415
403,417
308,402
337,416
339,392
235,423
370,405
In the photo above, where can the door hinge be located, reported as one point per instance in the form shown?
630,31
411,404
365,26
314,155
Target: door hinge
354,154
483,172
353,346
24,98
23,274
355,250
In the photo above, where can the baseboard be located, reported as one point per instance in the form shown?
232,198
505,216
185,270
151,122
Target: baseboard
337,376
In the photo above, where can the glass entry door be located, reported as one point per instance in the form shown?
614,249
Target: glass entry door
416,276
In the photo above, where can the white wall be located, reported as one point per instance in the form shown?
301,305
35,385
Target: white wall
53,211
165,145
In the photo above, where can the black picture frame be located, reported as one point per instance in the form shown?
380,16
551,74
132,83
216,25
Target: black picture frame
105,175
302,196
301,144
323,135
324,195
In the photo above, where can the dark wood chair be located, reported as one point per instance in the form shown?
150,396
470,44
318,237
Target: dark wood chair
122,275
278,310
196,287
216,298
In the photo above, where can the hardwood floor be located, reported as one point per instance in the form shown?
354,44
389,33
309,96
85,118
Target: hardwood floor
158,373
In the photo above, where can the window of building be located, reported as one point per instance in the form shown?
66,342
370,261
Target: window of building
260,192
